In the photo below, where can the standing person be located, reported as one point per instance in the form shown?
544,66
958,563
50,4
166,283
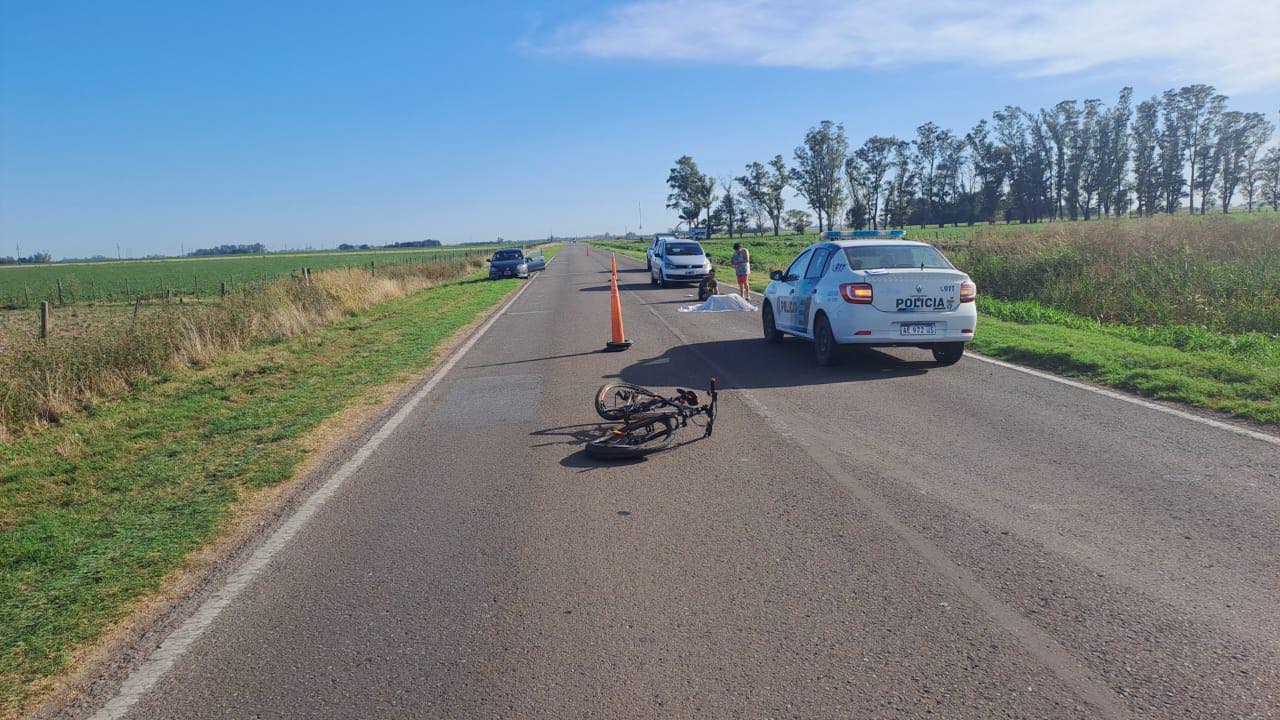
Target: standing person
741,261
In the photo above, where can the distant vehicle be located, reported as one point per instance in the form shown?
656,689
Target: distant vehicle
678,261
648,255
871,288
509,263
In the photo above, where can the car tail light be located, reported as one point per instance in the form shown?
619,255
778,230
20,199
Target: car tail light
968,292
856,293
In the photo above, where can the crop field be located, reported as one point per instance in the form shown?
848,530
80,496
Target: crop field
24,286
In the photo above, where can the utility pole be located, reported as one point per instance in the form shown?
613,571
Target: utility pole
640,213
118,255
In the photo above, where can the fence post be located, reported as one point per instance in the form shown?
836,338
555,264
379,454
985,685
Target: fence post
196,281
137,303
60,302
222,288
168,295
44,319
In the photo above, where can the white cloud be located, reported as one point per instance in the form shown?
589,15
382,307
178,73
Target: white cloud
1234,44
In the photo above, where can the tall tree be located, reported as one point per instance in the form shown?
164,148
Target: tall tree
797,220
876,158
818,175
729,205
1237,134
1172,153
1269,178
1146,164
1259,134
991,164
897,199
1061,125
1198,108
764,186
692,193
1114,163
929,143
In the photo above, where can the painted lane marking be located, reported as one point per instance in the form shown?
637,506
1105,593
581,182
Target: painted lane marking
1274,440
144,677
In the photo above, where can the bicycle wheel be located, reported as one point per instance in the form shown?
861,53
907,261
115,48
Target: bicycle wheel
618,401
633,440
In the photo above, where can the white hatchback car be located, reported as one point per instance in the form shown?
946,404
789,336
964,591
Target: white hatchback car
678,261
872,288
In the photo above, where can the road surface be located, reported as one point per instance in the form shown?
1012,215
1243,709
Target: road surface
879,539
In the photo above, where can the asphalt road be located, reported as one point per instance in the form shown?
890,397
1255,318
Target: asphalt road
879,539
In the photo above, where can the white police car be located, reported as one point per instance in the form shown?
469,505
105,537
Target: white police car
872,288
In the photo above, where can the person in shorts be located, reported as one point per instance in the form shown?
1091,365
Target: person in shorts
742,269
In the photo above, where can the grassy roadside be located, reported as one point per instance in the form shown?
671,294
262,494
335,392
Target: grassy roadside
97,511
1236,374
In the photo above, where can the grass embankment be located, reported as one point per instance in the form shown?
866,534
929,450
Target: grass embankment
97,510
1238,374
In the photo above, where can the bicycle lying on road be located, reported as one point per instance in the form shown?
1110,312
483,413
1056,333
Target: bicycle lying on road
647,421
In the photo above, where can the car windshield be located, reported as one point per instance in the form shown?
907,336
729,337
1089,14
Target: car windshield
684,249
872,257
507,255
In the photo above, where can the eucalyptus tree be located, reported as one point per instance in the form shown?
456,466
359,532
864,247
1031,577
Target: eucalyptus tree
1172,153
1198,108
817,176
764,186
1259,133
1114,162
1061,125
876,157
991,165
1237,135
692,193
900,188
1146,163
1269,178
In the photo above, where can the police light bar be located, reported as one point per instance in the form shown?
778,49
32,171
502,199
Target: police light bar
884,234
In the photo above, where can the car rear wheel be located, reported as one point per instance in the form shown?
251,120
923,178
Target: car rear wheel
771,334
948,353
824,342
653,279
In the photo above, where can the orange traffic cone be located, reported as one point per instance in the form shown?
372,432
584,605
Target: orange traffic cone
619,341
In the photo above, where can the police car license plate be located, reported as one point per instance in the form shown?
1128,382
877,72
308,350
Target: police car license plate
917,328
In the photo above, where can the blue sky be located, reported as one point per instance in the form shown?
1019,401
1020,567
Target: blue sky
160,126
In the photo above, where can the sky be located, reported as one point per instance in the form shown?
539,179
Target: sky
165,126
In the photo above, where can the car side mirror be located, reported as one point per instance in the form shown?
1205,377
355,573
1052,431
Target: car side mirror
776,275
489,259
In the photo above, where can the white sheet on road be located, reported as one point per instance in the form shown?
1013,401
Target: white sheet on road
721,303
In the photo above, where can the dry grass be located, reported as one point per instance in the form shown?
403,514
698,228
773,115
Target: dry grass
1208,271
42,381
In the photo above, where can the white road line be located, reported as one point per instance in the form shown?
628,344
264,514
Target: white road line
1274,440
145,676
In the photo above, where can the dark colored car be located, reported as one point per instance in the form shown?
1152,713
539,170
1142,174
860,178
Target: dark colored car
512,262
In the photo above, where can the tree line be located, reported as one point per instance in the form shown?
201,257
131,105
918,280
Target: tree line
1073,161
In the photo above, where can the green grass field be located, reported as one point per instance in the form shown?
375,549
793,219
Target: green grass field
98,510
24,286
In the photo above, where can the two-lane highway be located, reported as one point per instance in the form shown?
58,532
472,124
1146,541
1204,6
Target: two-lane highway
882,538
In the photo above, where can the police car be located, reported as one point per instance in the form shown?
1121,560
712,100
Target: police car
872,288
